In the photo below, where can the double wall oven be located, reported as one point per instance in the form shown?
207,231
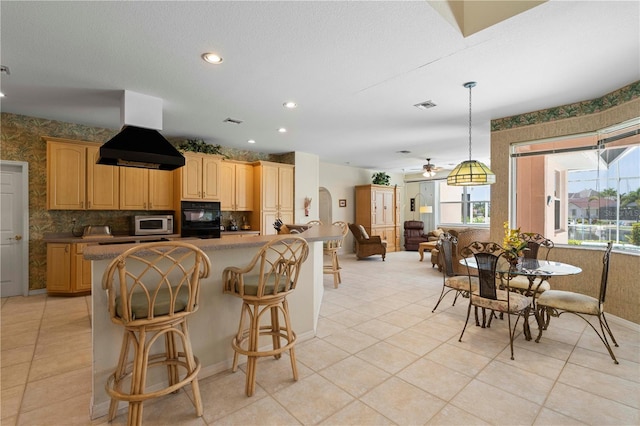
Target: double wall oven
200,219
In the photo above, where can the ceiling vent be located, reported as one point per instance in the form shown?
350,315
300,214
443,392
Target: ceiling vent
425,105
139,144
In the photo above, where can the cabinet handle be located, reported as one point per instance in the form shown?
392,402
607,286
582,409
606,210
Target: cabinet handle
88,204
82,204
66,249
144,205
150,205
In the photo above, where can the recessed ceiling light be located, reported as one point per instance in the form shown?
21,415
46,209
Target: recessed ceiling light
1,95
212,58
282,130
290,105
251,141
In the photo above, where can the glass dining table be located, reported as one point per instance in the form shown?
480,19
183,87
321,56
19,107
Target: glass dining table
532,269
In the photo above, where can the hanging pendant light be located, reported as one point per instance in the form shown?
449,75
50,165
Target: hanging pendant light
470,172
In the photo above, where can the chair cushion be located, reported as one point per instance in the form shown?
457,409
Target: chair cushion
437,232
140,304
363,232
522,283
462,283
570,301
251,283
517,302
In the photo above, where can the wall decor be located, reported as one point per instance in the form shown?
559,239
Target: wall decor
342,203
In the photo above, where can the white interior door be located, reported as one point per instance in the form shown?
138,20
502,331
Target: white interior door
14,241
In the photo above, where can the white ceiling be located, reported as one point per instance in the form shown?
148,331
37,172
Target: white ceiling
355,68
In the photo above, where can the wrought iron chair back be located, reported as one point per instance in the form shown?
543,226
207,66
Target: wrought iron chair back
535,242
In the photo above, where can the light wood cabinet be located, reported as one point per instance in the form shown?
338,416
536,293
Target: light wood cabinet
67,270
378,210
103,183
273,195
199,179
75,181
145,189
236,186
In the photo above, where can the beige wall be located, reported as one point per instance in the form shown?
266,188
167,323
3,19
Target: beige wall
616,107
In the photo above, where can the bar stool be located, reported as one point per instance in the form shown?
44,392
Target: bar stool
330,249
263,285
152,288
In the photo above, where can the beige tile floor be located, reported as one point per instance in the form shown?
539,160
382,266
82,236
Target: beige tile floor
380,357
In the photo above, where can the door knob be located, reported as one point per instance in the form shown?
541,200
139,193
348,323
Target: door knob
17,238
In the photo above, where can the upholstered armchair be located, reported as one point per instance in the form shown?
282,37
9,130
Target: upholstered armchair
367,245
465,237
414,235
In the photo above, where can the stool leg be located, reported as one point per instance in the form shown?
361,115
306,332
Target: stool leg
291,338
338,268
275,330
240,335
171,354
191,366
138,378
254,334
334,267
119,373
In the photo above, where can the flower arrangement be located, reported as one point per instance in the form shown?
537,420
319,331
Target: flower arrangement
513,245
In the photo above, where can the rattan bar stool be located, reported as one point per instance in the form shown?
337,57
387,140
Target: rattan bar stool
330,249
263,285
152,289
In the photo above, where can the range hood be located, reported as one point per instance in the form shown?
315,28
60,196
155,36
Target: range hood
139,143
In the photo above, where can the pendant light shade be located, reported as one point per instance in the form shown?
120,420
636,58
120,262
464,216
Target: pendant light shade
470,172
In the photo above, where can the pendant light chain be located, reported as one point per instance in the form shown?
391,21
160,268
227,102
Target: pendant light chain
470,86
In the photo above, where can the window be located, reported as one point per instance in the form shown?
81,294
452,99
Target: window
581,190
464,205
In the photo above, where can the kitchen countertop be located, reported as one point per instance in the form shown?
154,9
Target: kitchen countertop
67,237
315,233
239,232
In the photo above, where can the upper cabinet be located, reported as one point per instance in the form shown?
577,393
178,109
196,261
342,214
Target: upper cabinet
273,195
236,186
75,181
145,189
199,179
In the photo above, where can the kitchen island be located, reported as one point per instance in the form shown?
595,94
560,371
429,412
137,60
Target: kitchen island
215,323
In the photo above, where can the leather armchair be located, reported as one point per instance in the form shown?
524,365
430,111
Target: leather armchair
367,245
414,235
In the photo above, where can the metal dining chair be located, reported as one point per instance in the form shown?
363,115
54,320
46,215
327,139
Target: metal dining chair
557,302
488,296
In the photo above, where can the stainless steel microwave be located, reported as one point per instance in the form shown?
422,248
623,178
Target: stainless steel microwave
152,225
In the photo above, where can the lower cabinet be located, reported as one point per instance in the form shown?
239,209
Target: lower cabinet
68,273
387,234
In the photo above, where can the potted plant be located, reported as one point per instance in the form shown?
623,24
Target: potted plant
199,145
381,178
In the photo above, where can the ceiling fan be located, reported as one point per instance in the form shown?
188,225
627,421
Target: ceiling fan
429,170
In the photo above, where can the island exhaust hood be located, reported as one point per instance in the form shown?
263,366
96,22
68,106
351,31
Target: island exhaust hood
139,143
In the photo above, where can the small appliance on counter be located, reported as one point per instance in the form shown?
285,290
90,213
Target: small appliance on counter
97,231
245,225
233,225
152,225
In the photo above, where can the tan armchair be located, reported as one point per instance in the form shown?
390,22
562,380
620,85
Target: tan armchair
367,245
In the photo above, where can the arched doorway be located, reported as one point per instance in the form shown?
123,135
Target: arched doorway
325,206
